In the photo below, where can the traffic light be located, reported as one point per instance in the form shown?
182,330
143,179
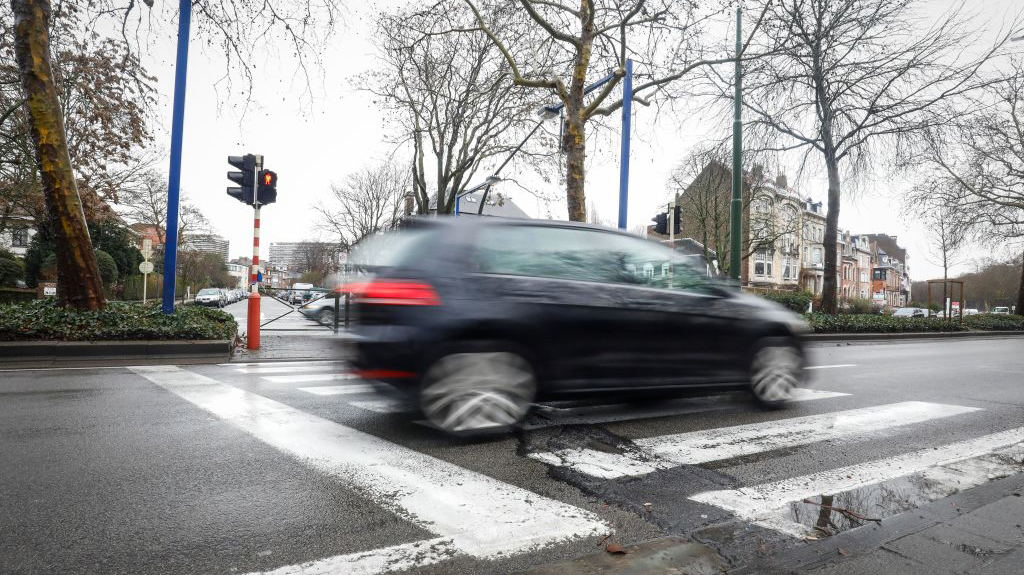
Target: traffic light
266,190
244,178
661,224
677,220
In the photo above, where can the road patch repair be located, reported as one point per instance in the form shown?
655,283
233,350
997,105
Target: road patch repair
458,505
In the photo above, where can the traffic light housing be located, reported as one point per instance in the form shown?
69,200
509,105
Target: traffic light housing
661,224
677,220
245,178
266,189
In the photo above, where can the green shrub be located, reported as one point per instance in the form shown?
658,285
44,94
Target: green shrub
108,268
990,322
44,320
871,323
11,271
794,300
859,306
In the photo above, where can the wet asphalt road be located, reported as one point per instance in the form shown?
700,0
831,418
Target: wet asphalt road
240,469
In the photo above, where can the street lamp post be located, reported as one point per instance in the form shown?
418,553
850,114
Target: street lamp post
735,227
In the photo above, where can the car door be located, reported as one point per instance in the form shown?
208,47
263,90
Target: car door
554,283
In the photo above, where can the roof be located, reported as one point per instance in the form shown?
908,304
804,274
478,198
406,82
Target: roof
497,205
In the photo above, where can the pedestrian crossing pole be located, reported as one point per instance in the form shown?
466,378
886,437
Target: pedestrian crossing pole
252,340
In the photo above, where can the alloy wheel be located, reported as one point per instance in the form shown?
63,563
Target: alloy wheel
486,391
775,373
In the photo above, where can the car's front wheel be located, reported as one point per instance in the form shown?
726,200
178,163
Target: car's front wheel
326,317
776,370
473,391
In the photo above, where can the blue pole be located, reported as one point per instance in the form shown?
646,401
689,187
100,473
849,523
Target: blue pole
174,176
627,116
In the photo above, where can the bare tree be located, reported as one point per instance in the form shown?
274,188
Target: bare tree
317,260
979,165
146,203
558,49
238,25
856,81
367,202
447,93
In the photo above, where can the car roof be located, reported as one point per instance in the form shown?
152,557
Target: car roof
427,221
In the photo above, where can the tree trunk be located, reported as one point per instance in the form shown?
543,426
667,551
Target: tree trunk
1020,291
78,278
576,154
828,290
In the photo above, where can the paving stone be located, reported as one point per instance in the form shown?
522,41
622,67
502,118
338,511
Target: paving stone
998,529
1009,564
937,554
879,562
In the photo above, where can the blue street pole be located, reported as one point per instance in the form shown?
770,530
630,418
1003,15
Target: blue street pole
627,116
174,177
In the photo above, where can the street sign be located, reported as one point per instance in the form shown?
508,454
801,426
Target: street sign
146,267
49,290
147,244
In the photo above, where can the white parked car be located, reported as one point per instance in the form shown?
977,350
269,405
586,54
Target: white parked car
1001,310
213,297
910,312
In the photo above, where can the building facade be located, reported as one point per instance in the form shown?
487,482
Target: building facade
18,235
207,243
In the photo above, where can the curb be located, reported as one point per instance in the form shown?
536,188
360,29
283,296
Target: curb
94,353
840,337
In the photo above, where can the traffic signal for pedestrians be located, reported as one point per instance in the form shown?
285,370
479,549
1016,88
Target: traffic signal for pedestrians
661,224
266,190
677,220
245,178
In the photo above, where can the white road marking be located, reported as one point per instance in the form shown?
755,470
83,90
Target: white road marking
309,378
483,517
766,502
280,363
804,394
667,451
384,560
831,366
285,369
386,405
339,389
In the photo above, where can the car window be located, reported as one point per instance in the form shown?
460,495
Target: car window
584,255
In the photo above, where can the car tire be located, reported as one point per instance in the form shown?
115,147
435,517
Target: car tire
478,388
326,317
776,371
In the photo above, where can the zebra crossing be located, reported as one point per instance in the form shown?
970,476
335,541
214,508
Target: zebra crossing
943,469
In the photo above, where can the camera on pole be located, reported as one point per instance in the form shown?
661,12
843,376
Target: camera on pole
266,190
245,178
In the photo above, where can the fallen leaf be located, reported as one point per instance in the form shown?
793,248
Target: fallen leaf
615,548
844,551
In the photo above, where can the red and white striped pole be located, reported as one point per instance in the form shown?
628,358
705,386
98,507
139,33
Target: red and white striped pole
253,331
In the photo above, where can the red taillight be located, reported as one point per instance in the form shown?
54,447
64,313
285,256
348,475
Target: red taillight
393,292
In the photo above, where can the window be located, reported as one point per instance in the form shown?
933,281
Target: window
806,260
763,262
666,270
863,277
817,257
19,238
788,268
863,294
762,205
878,274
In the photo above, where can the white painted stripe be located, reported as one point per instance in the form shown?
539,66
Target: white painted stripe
482,516
339,389
831,366
692,448
279,363
384,406
286,369
309,378
804,394
384,560
753,503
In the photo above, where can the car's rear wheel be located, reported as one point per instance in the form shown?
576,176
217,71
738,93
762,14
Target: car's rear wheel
326,316
776,370
478,390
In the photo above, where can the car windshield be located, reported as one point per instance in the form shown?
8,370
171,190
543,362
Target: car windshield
998,309
209,291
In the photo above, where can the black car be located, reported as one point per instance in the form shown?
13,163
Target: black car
479,317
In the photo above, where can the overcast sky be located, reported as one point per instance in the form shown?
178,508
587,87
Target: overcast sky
314,141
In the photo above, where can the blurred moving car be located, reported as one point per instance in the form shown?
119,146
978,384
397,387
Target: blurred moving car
1001,310
910,312
478,317
211,297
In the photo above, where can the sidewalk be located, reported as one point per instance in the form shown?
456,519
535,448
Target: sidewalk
294,346
979,532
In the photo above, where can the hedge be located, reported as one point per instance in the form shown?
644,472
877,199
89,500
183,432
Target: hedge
44,320
794,300
870,323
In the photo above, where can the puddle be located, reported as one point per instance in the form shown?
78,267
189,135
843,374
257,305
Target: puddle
828,514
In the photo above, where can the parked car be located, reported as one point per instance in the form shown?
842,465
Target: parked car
1001,310
970,311
910,312
300,293
213,297
478,317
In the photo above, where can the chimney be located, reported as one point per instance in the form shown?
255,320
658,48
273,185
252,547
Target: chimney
757,173
409,205
780,182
